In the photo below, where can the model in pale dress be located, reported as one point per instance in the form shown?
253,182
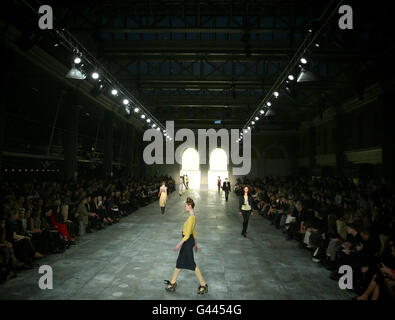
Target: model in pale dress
180,186
162,197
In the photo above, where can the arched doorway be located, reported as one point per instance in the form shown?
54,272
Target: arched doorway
218,167
190,167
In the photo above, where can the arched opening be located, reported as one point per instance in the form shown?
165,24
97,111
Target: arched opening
218,167
190,167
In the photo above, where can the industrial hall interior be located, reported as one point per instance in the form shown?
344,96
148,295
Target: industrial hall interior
197,150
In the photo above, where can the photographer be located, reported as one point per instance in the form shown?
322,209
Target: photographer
85,216
368,255
319,234
383,282
349,251
294,227
40,238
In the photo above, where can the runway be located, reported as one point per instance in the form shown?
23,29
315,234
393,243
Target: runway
130,260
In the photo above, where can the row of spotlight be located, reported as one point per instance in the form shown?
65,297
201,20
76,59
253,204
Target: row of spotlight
126,102
291,77
276,94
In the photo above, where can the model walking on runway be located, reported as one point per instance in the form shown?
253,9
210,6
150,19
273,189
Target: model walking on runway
180,186
185,257
245,207
219,183
162,197
226,188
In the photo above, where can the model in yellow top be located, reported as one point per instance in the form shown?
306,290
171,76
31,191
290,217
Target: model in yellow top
189,228
185,257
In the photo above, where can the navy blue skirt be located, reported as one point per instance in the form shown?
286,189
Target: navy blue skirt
185,258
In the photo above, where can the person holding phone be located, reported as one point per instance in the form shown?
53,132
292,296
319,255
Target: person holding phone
384,279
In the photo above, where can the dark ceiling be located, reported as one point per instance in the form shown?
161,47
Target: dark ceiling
200,61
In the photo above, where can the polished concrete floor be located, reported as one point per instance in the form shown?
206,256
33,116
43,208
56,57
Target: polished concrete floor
130,260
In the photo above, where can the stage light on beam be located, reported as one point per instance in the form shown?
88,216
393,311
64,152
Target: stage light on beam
95,76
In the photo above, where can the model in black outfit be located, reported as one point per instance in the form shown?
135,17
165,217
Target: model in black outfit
245,207
226,188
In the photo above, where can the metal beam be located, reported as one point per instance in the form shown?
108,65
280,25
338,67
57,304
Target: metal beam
223,83
275,48
185,30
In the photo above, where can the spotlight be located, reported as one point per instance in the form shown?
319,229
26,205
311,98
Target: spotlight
164,130
262,112
317,45
97,89
245,131
276,94
256,118
125,102
74,73
143,116
154,125
268,103
249,128
136,109
310,30
303,60
95,75
114,92
252,122
306,76
158,128
291,77
77,60
148,120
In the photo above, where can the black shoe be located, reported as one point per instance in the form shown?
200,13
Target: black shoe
171,286
203,289
245,234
